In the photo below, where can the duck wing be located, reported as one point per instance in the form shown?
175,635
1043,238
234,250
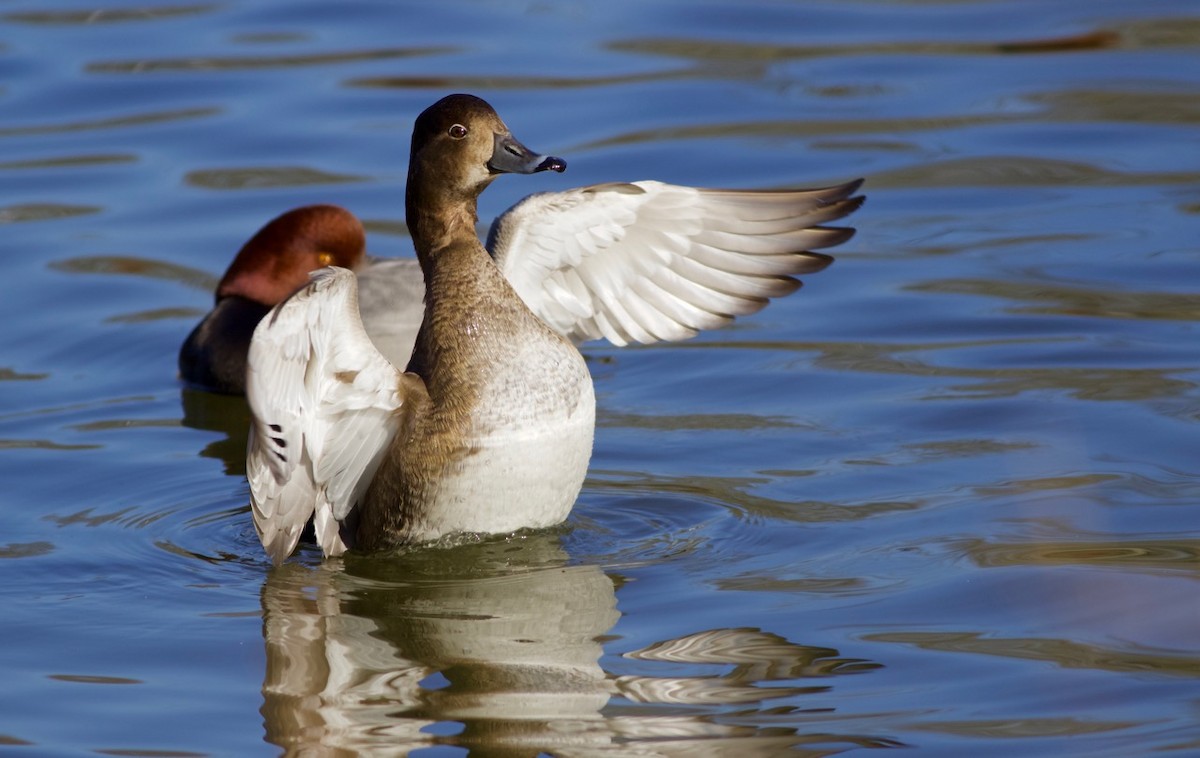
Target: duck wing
392,304
323,404
647,261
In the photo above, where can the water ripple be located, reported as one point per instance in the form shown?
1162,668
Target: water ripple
1024,728
1022,171
127,265
1066,653
116,122
1118,106
255,62
724,50
1085,383
500,82
107,15
1043,297
796,129
26,549
68,161
16,214
266,176
1171,555
34,444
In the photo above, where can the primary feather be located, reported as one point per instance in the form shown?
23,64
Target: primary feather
647,261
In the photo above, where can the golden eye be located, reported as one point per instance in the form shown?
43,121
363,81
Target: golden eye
325,259
458,131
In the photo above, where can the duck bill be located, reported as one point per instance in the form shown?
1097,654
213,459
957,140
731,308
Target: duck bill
509,156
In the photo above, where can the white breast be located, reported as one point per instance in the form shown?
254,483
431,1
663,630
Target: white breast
529,448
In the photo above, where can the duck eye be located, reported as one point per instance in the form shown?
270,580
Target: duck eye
458,131
325,259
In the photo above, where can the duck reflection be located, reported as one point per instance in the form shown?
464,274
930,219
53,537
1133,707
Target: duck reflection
502,637
496,647
225,414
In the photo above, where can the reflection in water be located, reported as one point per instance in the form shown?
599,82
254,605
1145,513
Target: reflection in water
1065,653
68,161
8,444
128,265
12,375
1022,171
1149,554
26,549
496,646
106,15
117,122
1065,300
1116,383
252,62
794,129
1028,727
757,657
226,414
692,421
1120,105
501,637
15,214
465,83
727,50
732,493
266,176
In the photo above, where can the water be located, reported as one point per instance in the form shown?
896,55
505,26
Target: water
947,497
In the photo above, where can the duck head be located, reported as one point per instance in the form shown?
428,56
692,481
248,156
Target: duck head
273,264
462,145
276,261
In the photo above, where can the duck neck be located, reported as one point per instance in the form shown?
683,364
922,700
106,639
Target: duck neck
455,266
442,223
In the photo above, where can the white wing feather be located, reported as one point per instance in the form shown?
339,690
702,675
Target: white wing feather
392,296
322,401
648,261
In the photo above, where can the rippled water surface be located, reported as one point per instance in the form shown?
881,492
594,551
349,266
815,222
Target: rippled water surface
945,498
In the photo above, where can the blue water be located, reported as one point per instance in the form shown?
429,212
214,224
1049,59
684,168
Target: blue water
947,497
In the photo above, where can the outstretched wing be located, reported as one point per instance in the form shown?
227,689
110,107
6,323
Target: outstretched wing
323,404
647,261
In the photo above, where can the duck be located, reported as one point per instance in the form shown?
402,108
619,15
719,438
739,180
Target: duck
487,427
274,263
637,262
